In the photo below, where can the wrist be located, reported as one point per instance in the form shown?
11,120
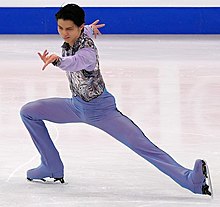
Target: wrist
57,62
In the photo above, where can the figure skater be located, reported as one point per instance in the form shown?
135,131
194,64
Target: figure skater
92,104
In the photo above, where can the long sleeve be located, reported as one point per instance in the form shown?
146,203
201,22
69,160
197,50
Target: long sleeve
84,58
88,31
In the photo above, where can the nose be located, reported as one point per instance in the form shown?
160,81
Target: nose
64,33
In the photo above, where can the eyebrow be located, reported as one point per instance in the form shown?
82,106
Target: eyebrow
66,28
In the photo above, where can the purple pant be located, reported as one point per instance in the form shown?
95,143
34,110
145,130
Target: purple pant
102,113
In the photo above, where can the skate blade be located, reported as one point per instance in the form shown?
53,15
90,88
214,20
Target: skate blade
208,178
48,181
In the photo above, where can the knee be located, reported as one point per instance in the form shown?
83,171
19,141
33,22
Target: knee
25,110
29,109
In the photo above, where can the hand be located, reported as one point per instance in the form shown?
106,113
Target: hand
95,27
47,59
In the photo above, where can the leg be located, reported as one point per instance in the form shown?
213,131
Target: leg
55,110
124,130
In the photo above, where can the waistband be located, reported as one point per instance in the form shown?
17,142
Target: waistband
105,99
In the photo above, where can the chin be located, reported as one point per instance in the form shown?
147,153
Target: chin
69,42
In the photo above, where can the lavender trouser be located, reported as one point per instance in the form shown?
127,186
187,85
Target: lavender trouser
102,113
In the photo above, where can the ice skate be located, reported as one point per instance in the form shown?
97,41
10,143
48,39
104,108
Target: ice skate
47,180
207,187
41,173
201,178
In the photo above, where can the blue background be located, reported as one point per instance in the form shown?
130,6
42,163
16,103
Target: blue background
118,20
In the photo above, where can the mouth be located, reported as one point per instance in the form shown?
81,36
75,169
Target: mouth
66,38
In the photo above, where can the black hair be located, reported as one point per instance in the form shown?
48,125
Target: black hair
71,12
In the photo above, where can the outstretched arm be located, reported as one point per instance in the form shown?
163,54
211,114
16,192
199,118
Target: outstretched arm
93,29
85,58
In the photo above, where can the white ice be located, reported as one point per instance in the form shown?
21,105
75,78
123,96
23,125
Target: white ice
168,85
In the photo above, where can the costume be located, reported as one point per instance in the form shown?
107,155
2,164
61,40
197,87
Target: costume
91,103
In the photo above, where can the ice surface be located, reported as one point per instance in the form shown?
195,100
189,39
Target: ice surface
168,85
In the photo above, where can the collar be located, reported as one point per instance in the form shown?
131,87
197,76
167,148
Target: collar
67,47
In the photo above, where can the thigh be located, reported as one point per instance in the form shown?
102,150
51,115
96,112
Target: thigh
123,129
58,110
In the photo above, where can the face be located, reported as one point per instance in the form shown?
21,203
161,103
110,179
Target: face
69,31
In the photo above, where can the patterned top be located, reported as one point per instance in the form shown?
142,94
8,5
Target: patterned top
82,68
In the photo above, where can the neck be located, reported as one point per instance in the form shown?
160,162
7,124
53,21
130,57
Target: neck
72,43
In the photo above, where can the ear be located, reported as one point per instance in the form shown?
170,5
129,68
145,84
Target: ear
82,26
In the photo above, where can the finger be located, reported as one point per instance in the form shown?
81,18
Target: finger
51,59
45,65
45,52
40,55
95,22
100,25
97,31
